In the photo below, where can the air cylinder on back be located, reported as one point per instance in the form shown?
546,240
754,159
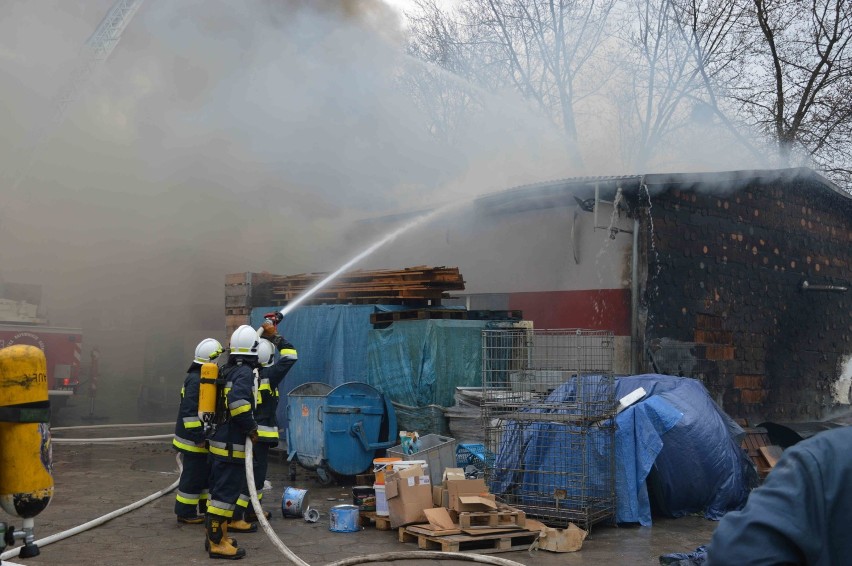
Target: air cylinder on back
26,462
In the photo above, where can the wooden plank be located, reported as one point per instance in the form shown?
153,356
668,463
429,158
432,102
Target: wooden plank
772,454
425,530
492,543
370,518
492,519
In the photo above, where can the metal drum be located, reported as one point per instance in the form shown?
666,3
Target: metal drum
344,519
294,502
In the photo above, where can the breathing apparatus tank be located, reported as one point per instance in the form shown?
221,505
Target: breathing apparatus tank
208,395
26,460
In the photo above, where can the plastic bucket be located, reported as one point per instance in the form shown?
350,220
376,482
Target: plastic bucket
364,496
381,501
397,466
380,465
294,502
344,519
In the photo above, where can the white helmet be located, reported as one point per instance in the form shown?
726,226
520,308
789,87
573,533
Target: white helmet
207,351
265,353
244,341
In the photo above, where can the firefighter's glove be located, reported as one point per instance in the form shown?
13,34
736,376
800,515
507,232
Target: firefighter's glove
278,341
254,436
269,329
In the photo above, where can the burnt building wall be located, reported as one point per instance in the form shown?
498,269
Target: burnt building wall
724,299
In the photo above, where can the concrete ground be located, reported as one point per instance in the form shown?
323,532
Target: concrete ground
95,479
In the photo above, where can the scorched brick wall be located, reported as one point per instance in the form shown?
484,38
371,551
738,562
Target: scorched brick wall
724,287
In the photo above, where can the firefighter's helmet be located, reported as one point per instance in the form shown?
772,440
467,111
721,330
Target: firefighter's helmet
265,353
244,341
207,351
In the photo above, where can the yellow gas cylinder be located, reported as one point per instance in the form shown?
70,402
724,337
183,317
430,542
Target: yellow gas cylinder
26,460
207,393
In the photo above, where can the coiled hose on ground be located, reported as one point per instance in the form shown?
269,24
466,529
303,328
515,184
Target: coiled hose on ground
273,537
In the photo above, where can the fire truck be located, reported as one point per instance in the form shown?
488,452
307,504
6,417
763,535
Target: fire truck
22,324
61,346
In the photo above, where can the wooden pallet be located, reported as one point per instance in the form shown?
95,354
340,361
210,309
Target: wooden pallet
369,518
483,544
504,518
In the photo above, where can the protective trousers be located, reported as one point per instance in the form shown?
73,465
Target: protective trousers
193,484
226,484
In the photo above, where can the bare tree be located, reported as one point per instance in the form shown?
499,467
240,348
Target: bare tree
796,81
537,47
676,52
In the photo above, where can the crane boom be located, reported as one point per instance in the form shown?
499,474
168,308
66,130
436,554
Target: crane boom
95,52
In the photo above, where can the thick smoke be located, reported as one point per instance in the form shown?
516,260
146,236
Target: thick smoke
219,137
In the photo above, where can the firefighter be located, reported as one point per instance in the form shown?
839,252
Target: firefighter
235,422
191,499
270,375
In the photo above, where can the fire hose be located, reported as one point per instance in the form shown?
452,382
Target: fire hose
273,537
381,557
100,520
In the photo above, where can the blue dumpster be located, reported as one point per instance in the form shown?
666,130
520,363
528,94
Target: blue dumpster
338,432
304,428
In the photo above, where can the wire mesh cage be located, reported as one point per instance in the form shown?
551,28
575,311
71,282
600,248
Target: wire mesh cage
548,405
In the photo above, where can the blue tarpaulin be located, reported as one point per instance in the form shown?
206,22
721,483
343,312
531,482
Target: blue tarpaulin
419,363
676,434
701,467
331,341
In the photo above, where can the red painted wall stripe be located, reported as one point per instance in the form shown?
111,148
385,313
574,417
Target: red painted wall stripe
594,309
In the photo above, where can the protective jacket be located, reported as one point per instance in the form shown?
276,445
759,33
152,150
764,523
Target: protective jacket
189,433
800,515
228,442
269,378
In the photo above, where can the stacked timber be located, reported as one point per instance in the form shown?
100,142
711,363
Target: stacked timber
417,287
412,285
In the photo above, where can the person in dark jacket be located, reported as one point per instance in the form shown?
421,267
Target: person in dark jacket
270,375
800,515
191,499
235,422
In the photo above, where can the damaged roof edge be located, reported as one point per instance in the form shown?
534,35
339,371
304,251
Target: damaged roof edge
566,192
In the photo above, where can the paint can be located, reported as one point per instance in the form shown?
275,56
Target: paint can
364,496
381,501
311,515
344,519
294,502
380,465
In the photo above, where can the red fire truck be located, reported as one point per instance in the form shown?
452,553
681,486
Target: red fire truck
61,346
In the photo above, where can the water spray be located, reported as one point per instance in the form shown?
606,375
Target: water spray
420,220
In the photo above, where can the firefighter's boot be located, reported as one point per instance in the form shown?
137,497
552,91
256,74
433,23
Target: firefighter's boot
242,526
231,540
218,544
251,516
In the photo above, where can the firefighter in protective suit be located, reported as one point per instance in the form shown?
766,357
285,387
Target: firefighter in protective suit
235,421
191,499
270,375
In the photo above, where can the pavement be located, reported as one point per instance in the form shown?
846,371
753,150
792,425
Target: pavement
95,479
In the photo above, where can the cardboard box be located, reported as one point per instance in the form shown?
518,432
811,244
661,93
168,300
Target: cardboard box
439,496
453,474
469,495
408,492
561,540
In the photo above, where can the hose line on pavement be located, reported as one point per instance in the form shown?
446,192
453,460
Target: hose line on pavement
116,439
258,510
100,520
134,425
383,557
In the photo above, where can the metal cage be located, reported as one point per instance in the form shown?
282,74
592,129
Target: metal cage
548,410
